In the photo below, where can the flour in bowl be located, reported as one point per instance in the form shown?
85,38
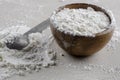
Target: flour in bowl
85,22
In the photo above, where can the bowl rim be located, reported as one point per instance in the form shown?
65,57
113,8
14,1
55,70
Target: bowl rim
111,25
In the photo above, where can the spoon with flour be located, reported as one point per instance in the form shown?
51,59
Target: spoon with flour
22,41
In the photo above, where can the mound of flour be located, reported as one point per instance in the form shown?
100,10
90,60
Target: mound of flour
86,22
35,56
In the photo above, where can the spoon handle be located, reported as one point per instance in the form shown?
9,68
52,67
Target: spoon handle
39,28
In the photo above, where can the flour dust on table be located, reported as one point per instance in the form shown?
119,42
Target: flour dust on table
38,54
32,58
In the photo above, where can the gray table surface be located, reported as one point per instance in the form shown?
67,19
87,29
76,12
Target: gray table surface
32,12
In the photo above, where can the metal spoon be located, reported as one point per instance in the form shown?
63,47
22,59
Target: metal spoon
22,41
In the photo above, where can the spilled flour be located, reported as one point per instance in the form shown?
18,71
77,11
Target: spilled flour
34,57
13,62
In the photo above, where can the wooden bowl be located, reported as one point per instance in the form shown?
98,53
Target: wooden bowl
82,45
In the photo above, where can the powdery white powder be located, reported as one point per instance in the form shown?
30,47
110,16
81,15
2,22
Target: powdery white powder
9,33
85,22
38,54
35,56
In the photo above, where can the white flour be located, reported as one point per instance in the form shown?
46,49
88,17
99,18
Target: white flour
13,62
86,22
